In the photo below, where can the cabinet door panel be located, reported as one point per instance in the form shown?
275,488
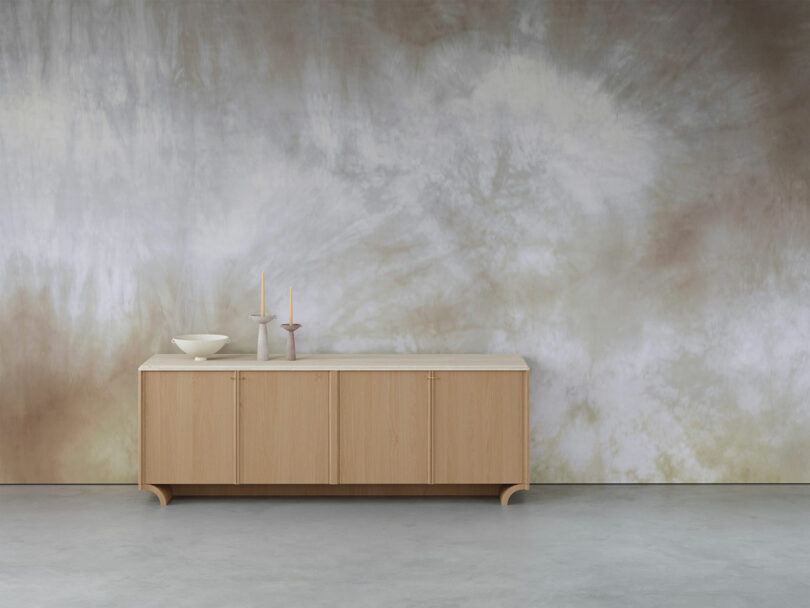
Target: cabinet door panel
383,429
188,427
478,427
284,427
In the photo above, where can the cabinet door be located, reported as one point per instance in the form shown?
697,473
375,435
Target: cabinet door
383,427
188,427
478,427
284,427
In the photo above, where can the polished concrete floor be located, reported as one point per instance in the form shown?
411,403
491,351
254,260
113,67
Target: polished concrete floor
554,546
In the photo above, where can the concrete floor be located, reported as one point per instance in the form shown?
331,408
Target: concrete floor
554,546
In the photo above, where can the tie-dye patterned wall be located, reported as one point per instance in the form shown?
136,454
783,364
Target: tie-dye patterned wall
618,191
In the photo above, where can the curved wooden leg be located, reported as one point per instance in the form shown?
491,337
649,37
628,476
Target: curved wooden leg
164,493
507,491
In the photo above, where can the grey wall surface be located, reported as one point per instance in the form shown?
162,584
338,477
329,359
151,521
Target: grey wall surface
617,191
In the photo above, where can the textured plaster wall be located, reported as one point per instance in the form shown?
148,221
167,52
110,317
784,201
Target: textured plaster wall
617,191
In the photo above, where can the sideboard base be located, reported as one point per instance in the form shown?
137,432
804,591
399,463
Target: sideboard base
507,491
165,492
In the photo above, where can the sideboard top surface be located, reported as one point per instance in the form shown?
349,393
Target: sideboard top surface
180,362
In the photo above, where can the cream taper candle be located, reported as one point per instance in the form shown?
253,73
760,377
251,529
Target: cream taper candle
262,294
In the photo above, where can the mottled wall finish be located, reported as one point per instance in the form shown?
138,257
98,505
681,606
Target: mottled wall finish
618,191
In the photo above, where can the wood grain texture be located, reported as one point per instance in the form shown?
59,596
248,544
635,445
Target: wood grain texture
188,428
235,382
284,427
339,490
140,430
526,428
327,362
478,427
347,430
334,422
383,427
430,385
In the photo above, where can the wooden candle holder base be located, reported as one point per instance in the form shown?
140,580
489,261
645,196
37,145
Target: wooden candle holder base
291,339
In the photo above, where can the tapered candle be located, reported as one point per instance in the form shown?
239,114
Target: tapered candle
262,294
291,306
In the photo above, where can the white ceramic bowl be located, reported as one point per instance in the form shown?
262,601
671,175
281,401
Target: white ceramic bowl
200,345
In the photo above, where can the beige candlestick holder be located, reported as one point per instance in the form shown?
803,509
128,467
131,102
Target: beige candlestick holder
291,339
262,347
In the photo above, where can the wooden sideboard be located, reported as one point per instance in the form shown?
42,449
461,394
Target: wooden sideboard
334,425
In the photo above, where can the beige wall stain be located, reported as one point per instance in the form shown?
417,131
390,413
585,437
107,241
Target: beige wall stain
617,191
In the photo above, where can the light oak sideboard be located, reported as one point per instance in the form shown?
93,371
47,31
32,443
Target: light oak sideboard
442,425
